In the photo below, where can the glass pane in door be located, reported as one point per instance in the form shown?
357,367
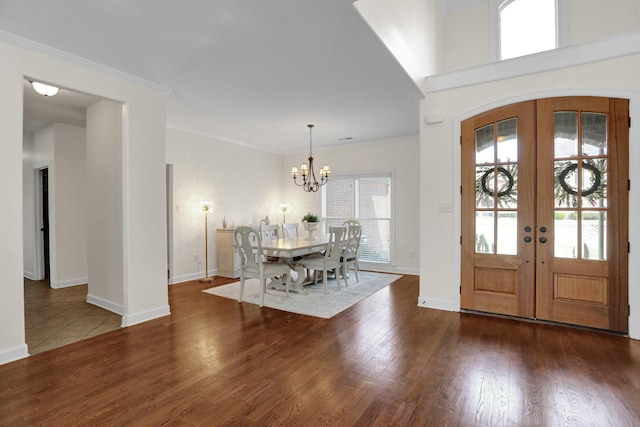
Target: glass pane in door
485,243
507,186
565,226
484,145
594,235
565,134
485,182
594,134
566,183
507,233
507,141
594,183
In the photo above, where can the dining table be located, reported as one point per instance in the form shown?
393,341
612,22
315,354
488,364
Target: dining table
287,249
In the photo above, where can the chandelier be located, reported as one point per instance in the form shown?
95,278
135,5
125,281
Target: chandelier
309,182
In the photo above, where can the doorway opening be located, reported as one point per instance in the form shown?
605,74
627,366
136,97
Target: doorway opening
55,276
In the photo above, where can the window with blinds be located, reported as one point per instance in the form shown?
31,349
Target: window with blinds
366,198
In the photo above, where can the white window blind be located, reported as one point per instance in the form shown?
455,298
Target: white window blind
366,198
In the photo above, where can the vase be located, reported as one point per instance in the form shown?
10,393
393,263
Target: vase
310,227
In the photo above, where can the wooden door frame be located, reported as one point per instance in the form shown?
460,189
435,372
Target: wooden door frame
634,198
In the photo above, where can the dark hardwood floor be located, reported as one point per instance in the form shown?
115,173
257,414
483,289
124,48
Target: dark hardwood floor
383,362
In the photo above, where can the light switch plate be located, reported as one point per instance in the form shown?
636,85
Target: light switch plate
444,207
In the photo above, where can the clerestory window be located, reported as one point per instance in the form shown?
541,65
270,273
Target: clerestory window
526,27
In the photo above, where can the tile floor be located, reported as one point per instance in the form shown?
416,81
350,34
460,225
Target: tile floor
55,317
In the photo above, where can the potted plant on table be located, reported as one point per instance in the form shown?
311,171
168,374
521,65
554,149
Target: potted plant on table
310,222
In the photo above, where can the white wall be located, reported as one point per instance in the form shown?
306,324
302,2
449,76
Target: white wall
28,207
466,39
591,20
244,184
400,156
410,30
104,203
12,343
69,206
143,237
467,34
615,77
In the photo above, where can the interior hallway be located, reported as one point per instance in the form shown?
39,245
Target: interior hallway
56,317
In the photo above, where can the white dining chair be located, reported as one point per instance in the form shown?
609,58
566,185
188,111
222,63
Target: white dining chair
349,256
270,231
354,222
290,231
252,266
328,261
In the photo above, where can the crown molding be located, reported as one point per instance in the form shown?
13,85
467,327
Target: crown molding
46,50
557,59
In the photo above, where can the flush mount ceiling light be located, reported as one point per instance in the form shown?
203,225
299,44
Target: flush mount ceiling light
43,89
309,182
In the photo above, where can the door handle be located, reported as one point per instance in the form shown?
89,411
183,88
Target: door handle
543,240
527,239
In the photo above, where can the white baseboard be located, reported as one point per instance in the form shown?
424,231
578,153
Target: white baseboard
191,276
12,354
129,319
29,275
438,304
106,304
134,319
387,268
59,284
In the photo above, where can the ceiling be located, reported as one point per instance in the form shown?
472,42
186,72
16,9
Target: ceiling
254,72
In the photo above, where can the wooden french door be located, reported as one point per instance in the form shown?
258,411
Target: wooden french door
545,211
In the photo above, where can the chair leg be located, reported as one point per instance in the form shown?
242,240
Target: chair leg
263,287
325,279
355,270
287,279
337,274
241,288
345,274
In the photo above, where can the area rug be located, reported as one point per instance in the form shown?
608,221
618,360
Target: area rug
315,302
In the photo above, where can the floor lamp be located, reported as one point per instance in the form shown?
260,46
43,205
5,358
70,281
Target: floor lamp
284,209
206,208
